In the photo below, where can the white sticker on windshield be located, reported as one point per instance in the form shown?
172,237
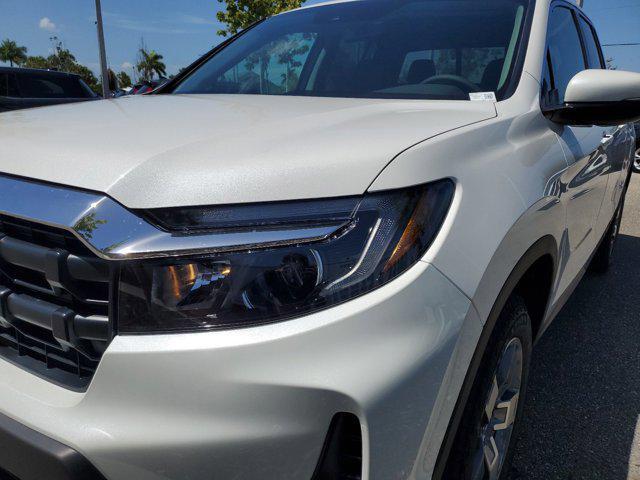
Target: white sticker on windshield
482,97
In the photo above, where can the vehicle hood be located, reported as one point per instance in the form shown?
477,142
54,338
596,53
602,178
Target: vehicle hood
178,150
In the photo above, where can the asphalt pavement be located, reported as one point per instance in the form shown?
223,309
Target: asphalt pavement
582,411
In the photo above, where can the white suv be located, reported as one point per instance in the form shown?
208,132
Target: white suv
324,251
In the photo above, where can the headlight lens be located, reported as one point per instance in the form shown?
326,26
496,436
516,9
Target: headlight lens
384,234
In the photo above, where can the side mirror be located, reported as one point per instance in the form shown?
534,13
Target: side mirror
599,97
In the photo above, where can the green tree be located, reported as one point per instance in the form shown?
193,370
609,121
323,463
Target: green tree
240,14
12,53
87,75
64,61
36,62
124,80
150,64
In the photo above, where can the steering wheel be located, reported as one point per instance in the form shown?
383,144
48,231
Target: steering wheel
453,80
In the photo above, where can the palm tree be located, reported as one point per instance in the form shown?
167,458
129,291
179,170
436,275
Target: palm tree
150,63
12,53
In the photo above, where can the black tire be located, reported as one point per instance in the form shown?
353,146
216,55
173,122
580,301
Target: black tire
464,462
635,165
603,257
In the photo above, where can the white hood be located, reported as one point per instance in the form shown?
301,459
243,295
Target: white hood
166,150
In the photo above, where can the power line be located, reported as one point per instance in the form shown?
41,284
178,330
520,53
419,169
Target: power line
621,45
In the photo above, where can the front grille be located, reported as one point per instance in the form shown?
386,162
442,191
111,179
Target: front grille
54,302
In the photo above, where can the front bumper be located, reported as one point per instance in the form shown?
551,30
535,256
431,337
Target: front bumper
28,455
257,403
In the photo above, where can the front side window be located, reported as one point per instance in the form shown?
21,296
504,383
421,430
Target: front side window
423,49
564,52
591,45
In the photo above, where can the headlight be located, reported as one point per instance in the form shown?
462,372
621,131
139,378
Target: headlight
376,238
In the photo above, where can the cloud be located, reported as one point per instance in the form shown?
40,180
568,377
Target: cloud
47,24
126,66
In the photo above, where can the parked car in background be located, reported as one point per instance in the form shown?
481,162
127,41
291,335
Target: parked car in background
27,88
636,159
147,87
325,251
141,88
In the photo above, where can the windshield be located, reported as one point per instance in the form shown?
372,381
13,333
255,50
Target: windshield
424,49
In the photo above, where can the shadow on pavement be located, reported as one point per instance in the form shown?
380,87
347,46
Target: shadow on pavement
583,401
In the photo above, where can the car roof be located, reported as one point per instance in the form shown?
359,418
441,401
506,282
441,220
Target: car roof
39,71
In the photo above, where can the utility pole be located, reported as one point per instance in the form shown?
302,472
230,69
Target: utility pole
103,55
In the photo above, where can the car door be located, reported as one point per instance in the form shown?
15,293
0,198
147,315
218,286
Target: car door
588,150
616,139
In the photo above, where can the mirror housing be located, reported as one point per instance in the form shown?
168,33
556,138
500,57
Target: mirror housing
599,97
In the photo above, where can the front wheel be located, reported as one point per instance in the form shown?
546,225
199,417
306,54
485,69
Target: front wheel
636,161
482,448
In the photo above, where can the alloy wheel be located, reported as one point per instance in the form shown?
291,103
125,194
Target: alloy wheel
636,161
500,412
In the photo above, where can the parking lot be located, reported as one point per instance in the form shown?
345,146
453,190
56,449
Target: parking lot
583,405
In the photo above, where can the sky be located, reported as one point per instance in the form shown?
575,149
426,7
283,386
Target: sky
185,29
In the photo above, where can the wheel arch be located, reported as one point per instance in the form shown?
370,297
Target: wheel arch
540,260
535,288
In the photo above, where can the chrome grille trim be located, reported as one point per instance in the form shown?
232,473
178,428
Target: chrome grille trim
112,232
